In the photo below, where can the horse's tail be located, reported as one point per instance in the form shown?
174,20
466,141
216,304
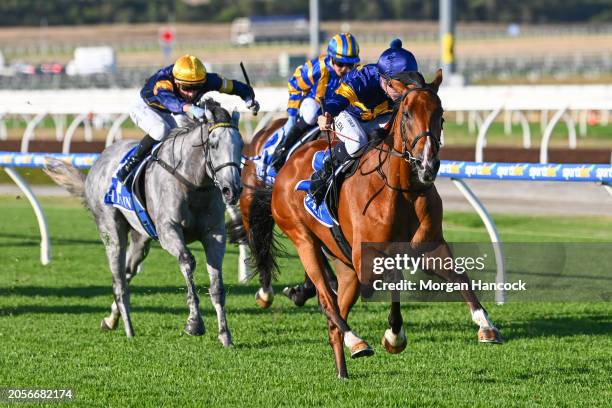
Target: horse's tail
66,176
262,239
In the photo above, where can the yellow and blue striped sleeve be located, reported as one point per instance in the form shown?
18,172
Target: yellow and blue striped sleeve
304,78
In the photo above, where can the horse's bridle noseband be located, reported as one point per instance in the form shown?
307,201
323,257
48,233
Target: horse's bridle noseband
205,144
406,152
206,147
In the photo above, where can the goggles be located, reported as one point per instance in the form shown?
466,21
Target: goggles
341,64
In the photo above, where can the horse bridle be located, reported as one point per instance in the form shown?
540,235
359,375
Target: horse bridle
406,152
206,146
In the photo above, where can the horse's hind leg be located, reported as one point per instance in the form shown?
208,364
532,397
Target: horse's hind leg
487,332
214,246
115,241
136,253
172,240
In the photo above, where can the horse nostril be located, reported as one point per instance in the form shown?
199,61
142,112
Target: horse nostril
227,192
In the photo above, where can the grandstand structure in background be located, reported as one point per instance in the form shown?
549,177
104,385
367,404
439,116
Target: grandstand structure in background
32,55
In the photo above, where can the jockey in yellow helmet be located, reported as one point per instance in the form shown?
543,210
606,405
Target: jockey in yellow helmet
171,94
311,83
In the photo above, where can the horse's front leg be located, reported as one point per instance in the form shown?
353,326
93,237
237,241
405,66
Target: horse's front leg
237,235
394,340
214,246
172,240
487,332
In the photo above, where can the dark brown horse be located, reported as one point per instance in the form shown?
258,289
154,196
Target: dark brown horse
395,182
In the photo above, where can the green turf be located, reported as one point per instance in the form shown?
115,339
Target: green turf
556,354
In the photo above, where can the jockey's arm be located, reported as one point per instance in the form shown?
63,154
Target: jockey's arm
229,86
335,104
305,77
164,91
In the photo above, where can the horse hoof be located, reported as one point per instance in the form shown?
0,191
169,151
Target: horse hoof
489,335
195,328
361,349
264,301
226,341
394,349
104,326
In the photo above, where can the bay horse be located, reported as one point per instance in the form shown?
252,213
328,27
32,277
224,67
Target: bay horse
390,198
196,173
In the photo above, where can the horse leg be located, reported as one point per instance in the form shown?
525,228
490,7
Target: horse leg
394,340
115,242
214,246
487,332
237,235
311,257
171,239
136,253
299,294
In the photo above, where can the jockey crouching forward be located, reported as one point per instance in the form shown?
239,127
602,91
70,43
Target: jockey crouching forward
170,95
361,107
312,82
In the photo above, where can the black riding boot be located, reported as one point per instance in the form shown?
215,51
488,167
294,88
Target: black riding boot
318,181
282,150
144,147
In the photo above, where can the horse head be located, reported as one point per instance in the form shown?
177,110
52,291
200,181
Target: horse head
418,123
223,148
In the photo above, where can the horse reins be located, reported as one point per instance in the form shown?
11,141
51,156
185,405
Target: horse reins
406,153
206,146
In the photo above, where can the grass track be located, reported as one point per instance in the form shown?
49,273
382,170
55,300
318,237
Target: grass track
555,354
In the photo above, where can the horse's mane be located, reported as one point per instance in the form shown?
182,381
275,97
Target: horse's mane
411,78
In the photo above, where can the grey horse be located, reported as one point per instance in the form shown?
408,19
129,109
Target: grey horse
186,190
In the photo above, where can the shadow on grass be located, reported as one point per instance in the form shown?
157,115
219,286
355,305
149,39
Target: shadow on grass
590,324
34,240
180,311
106,290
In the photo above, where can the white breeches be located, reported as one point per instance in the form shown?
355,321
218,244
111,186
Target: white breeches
309,110
156,124
354,132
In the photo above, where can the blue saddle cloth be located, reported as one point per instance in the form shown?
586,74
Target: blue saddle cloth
262,162
121,195
321,213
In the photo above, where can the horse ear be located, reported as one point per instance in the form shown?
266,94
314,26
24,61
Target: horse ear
208,115
435,84
399,86
235,117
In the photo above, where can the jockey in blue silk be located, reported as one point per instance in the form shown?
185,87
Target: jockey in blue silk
311,83
170,96
361,107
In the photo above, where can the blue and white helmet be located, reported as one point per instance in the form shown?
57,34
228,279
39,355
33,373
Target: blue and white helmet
343,47
395,60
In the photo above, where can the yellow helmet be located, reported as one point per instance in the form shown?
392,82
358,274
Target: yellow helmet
189,70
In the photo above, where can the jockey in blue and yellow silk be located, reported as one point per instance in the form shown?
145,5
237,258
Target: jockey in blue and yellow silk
170,95
311,83
361,105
